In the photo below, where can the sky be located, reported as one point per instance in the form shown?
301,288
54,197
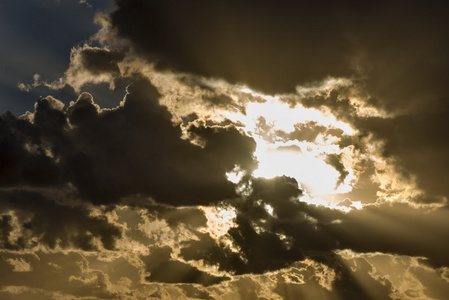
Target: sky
193,149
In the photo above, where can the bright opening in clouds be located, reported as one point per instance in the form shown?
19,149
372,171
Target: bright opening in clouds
270,123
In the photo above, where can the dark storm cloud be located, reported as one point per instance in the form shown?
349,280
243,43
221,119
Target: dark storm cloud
39,219
258,233
396,54
403,52
269,46
289,229
269,240
397,49
19,165
158,162
87,148
292,231
59,165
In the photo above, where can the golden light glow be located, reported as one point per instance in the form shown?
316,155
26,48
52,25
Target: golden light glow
305,167
282,117
303,160
276,123
219,219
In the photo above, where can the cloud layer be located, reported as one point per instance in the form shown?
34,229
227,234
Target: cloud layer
261,151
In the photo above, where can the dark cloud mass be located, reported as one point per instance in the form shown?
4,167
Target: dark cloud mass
415,140
268,46
89,145
397,52
399,48
99,61
38,219
158,196
418,141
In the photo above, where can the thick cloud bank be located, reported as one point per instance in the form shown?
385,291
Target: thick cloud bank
111,153
398,48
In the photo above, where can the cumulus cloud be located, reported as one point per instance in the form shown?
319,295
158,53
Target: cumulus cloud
158,196
80,148
85,146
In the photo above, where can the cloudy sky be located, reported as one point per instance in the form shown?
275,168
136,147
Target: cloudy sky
238,149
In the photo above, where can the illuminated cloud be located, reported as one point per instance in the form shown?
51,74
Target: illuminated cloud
261,151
